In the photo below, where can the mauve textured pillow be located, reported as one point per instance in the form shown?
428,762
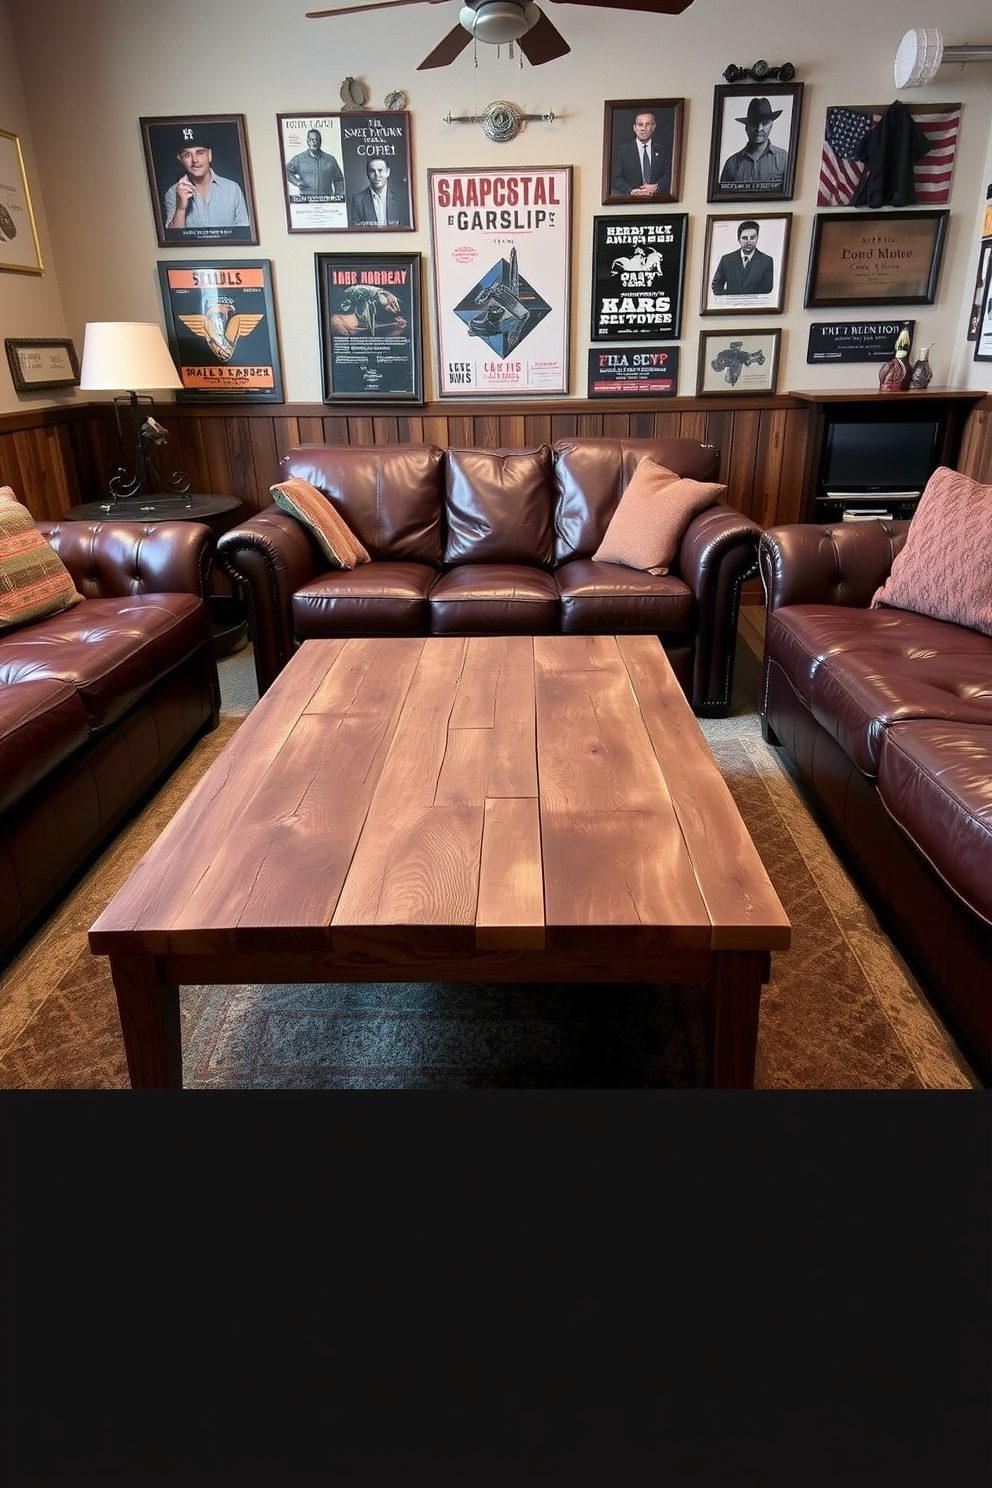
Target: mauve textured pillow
34,582
944,569
651,516
336,539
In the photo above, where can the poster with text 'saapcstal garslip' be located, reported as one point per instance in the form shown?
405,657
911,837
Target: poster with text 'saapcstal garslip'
502,245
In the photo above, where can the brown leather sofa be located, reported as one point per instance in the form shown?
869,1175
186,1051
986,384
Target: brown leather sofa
97,701
494,542
887,716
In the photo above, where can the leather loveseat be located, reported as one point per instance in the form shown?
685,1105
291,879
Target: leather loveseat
98,700
494,542
887,715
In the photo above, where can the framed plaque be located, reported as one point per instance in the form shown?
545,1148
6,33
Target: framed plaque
875,258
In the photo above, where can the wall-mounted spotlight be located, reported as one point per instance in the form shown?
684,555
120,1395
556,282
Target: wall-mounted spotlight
921,53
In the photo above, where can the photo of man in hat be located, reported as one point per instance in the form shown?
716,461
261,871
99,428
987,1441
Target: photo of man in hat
200,198
759,166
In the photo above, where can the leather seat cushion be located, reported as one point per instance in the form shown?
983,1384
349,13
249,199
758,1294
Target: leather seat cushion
609,599
112,651
935,781
42,723
494,599
382,598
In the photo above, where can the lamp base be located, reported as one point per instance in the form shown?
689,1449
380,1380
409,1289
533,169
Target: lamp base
146,485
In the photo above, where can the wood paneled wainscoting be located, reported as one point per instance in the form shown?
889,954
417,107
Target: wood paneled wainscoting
61,456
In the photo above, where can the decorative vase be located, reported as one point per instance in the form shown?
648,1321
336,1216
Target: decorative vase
922,370
893,376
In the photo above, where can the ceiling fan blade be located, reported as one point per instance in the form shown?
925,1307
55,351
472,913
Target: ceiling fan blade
653,7
448,49
543,42
318,15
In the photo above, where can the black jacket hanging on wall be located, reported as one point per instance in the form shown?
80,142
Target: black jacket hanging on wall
890,151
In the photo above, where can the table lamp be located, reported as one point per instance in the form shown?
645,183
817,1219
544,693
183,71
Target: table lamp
133,354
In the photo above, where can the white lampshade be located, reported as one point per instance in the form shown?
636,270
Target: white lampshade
126,354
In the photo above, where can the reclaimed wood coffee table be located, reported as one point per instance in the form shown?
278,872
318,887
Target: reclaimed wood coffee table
507,809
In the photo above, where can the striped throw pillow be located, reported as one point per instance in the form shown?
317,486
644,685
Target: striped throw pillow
34,582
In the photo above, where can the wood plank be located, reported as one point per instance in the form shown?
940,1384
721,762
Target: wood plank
510,914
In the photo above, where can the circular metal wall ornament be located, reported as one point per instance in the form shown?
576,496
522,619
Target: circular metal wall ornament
501,122
396,100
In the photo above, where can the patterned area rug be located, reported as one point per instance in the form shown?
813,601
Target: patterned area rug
841,1010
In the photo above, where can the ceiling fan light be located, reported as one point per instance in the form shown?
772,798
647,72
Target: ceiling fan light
497,21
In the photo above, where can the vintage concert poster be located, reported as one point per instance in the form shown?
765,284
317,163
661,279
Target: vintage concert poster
637,277
502,268
221,328
634,372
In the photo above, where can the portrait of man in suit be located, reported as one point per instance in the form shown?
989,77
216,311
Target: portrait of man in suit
642,166
378,205
746,271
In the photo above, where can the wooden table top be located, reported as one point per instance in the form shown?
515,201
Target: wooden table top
488,793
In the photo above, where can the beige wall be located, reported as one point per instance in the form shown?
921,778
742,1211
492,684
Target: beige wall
75,77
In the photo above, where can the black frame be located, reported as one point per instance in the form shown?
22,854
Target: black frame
619,116
724,140
739,339
352,132
229,159
632,372
664,234
353,367
851,242
206,353
13,345
726,242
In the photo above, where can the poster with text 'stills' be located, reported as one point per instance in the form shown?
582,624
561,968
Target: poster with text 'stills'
502,245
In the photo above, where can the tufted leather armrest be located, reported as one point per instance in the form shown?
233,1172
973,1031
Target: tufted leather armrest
718,554
268,558
842,564
111,559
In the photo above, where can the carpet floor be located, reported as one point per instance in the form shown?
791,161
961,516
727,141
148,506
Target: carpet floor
841,1011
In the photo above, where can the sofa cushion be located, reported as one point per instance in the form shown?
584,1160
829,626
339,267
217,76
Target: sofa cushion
494,599
335,538
377,599
651,516
42,723
499,506
392,494
945,567
612,599
34,582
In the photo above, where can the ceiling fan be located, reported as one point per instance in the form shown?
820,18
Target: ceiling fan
497,21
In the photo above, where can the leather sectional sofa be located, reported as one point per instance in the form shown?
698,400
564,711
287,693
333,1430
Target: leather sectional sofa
887,715
491,542
97,701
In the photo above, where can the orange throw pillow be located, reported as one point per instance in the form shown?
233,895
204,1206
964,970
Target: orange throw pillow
335,538
651,516
34,582
944,569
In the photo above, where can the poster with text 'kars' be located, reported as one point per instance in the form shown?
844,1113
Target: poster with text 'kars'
502,245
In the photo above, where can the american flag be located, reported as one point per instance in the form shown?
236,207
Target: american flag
846,128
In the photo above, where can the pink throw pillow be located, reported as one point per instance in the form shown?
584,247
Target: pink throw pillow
651,516
944,569
311,507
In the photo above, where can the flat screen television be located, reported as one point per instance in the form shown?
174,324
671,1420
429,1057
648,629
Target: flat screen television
879,456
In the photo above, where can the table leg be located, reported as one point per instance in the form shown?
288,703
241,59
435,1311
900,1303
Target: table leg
149,1013
733,999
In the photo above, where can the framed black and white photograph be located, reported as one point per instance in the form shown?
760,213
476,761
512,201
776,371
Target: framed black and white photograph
221,327
347,172
20,250
41,362
642,151
638,274
983,340
875,258
633,372
501,242
981,280
744,264
737,362
371,327
200,179
754,143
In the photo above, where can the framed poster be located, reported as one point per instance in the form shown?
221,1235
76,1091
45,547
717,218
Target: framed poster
878,258
642,151
221,326
41,362
981,280
983,340
199,179
638,271
371,327
19,248
347,172
754,143
744,264
737,362
502,252
633,372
